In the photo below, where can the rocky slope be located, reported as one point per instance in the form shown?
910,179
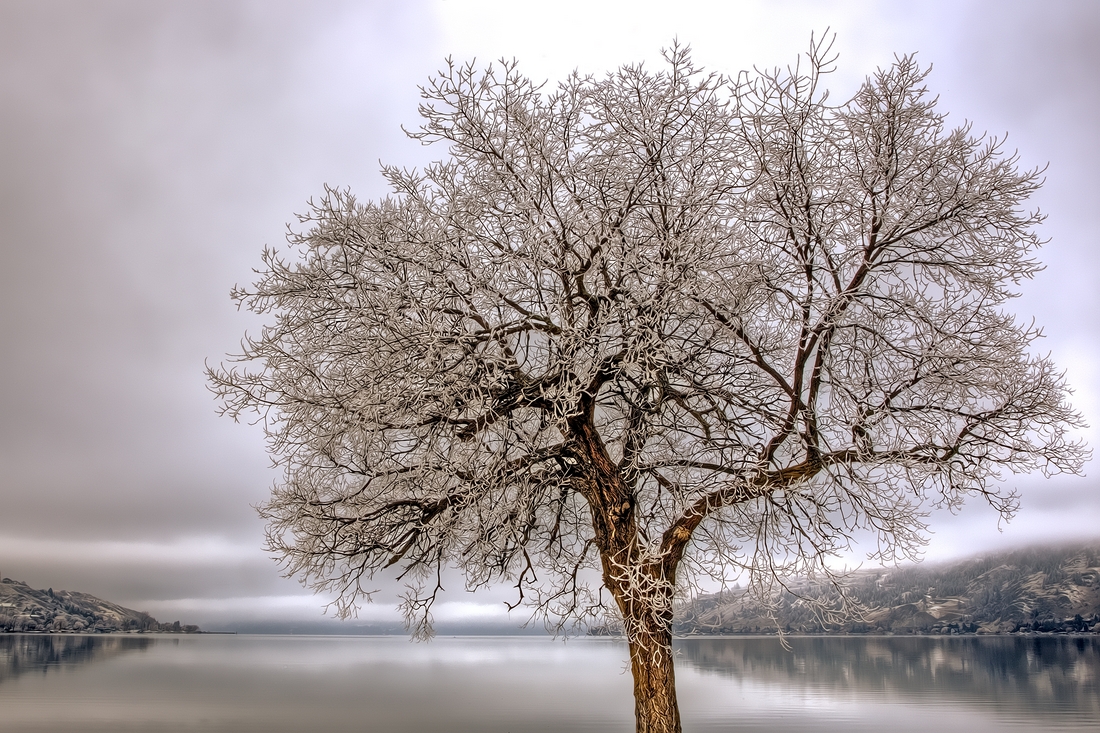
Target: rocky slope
23,608
1031,590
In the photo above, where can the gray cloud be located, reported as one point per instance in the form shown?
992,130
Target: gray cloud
149,150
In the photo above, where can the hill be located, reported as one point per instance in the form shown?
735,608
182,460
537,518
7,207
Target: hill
23,608
1031,590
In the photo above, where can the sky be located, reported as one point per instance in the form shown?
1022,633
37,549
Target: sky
149,151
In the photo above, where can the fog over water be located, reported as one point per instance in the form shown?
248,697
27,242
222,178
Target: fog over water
150,150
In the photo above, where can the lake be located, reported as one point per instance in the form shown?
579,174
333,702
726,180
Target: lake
531,684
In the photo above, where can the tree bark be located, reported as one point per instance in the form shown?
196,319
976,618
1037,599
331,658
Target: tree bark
651,663
642,588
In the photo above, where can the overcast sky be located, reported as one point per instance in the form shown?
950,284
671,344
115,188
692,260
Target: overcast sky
150,150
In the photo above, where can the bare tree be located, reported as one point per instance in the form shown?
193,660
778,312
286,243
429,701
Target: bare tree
664,326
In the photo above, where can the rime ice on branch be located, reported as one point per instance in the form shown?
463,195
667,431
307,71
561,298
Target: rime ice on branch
644,329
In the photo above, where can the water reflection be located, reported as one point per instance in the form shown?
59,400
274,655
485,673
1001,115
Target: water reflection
23,653
289,684
1030,677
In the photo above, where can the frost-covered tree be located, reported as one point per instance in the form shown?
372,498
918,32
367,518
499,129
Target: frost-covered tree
647,329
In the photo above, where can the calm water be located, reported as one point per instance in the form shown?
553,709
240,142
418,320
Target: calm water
501,684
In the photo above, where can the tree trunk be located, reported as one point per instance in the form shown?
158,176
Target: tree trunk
655,707
655,685
642,587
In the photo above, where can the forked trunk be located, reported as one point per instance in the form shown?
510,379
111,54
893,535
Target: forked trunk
655,708
642,588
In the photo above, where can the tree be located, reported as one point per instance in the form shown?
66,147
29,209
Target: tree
647,329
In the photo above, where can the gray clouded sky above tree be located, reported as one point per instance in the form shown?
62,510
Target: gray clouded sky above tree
149,150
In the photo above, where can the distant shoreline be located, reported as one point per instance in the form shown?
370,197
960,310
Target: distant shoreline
70,632
594,637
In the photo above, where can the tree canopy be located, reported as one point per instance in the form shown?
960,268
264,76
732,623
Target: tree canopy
660,325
